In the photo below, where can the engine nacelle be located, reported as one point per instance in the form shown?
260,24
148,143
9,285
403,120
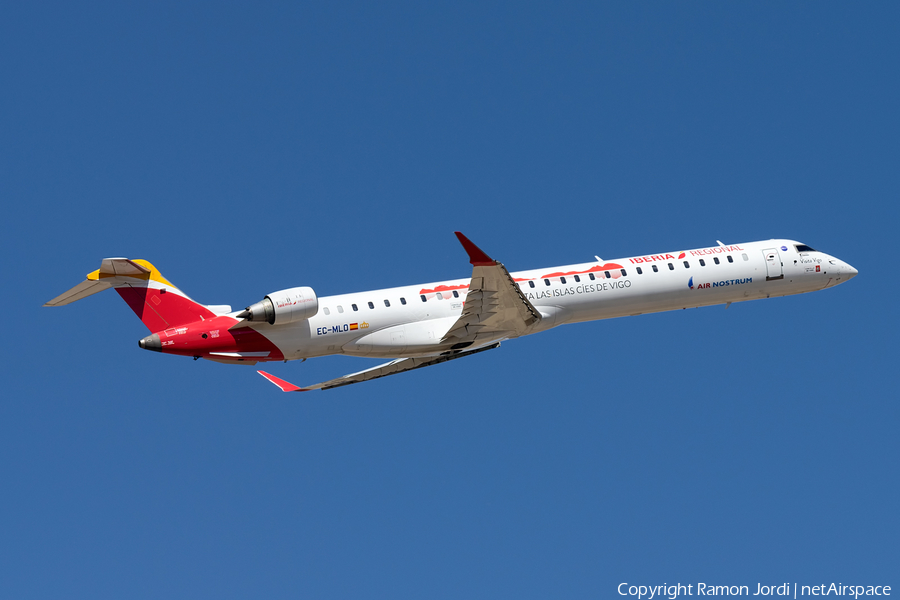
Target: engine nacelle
286,306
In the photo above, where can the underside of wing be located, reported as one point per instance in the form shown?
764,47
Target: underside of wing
391,368
495,307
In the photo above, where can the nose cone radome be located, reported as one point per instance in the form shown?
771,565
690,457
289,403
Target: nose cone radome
851,272
151,342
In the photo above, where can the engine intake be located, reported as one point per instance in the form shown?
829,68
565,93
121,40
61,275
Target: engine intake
285,306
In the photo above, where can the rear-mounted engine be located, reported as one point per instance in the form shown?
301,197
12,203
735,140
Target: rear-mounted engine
286,306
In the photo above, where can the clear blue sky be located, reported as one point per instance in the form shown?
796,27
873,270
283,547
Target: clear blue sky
246,148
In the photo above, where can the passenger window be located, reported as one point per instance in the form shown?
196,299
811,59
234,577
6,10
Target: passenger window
687,265
327,312
591,275
639,271
671,267
577,279
422,297
546,282
440,296
387,303
371,305
624,273
745,257
340,308
355,308
702,263
731,260
716,259
455,294
403,301
530,284
562,280
607,274
655,269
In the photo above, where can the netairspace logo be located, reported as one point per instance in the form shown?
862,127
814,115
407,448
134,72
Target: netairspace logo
649,592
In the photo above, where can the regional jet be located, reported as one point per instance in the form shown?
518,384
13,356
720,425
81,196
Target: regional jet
422,325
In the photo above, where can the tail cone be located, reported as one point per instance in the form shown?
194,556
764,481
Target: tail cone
151,342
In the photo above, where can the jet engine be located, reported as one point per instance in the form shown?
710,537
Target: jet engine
286,306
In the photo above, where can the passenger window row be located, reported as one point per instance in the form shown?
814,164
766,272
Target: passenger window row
577,279
387,303
371,305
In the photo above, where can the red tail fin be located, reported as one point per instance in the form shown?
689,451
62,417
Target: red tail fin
157,303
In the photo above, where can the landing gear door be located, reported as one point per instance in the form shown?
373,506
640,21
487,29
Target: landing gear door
773,264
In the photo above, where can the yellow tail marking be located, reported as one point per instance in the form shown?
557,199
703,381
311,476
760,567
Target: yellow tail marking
154,273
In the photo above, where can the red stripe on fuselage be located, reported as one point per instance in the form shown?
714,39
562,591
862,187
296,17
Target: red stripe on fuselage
594,269
443,288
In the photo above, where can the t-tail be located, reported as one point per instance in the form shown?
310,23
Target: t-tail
157,303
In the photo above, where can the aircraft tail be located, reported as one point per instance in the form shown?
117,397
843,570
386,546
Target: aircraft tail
157,303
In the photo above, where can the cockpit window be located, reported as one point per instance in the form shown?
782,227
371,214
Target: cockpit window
805,248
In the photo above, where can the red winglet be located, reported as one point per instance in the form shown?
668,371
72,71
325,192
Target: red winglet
284,385
476,256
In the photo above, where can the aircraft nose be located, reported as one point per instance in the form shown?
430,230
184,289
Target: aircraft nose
850,271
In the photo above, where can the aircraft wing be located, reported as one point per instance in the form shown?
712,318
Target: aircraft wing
391,368
495,307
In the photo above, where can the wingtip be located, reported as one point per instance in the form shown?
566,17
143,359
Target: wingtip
285,386
477,257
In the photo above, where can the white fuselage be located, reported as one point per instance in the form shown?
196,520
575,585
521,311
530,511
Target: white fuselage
397,322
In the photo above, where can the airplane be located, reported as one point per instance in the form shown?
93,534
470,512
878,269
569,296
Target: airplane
422,325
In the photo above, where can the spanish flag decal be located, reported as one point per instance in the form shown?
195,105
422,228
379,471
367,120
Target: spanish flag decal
354,326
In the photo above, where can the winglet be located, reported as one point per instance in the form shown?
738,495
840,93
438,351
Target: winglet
476,255
281,383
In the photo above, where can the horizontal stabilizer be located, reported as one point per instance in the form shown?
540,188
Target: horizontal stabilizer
124,267
110,274
82,290
219,309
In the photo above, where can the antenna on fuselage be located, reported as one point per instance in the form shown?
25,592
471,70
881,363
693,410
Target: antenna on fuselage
720,243
598,258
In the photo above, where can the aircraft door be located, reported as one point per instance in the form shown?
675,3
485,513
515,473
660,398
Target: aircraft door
773,264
